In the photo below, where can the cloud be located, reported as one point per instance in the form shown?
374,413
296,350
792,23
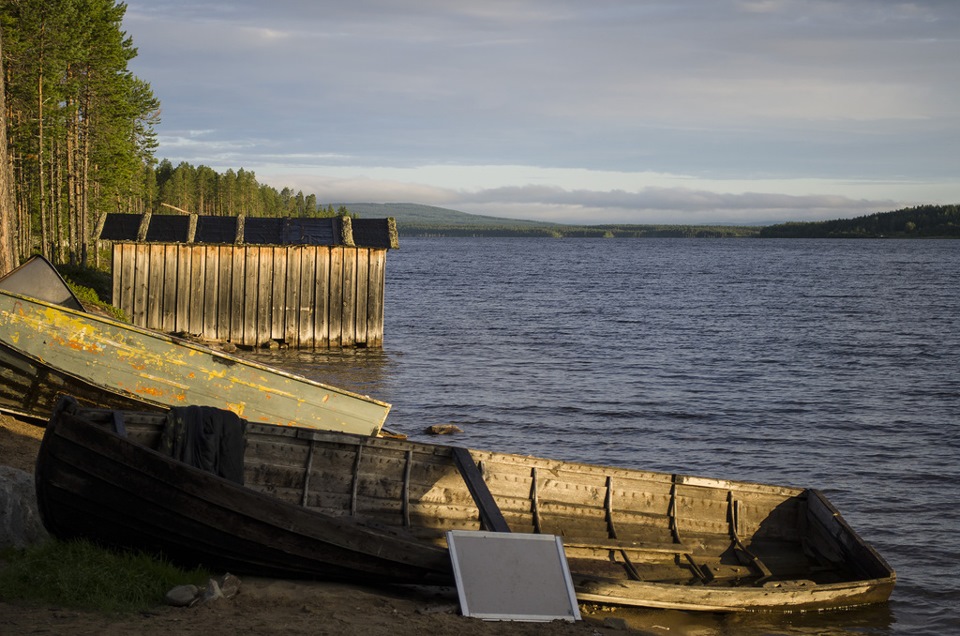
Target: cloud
859,95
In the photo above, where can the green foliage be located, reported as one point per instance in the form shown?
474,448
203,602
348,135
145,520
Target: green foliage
925,221
81,575
202,190
80,124
90,286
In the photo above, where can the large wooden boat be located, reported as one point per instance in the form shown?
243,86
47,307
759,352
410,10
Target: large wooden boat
631,537
48,349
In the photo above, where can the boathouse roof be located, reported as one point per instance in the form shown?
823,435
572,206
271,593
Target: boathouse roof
195,228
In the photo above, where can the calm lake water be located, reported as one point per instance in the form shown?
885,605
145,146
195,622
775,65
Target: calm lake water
829,364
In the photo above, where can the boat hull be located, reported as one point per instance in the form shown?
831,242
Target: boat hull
90,355
92,483
631,537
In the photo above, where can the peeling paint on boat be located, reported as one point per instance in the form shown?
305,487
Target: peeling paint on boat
166,371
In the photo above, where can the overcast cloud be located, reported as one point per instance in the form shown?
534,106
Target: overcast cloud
691,111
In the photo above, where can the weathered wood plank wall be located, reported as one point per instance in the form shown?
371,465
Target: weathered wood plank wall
307,296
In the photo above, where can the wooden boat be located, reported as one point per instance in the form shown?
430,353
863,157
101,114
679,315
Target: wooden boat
48,349
92,482
631,537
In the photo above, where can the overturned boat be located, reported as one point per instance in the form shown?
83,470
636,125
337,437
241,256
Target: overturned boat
49,346
631,537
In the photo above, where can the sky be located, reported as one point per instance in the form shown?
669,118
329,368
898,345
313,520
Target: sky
572,111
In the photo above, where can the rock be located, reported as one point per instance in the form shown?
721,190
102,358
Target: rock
612,622
182,595
229,585
20,522
212,592
442,429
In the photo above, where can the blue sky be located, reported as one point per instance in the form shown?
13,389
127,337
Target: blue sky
599,111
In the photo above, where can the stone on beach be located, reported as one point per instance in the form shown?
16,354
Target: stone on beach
20,522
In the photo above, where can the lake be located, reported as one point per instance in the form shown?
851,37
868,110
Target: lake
832,364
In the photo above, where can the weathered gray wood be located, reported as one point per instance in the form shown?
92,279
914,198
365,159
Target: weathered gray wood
348,296
335,296
238,293
291,303
197,287
211,289
264,295
251,286
181,289
140,285
155,277
307,316
417,490
362,282
116,264
305,296
221,322
93,484
168,304
375,292
278,294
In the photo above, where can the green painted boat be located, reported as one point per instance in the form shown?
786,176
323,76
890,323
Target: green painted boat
48,349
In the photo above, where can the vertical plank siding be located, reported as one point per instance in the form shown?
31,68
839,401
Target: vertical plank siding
306,296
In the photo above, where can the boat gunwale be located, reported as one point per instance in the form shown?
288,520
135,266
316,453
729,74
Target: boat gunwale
170,339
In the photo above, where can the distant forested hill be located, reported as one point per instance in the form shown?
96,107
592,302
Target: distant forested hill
413,216
926,221
425,220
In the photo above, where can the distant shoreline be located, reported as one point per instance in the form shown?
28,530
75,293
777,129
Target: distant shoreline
928,221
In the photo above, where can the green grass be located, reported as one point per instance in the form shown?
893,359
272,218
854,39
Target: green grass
81,575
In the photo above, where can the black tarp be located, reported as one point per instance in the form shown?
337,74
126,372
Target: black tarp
206,437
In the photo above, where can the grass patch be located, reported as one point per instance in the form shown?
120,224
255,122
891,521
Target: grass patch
88,296
92,287
81,575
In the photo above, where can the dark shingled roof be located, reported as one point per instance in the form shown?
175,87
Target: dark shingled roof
168,228
216,229
176,228
121,227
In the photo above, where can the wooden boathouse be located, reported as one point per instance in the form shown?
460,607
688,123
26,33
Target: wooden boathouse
252,281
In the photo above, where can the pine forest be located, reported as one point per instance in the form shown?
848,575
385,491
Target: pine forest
81,136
